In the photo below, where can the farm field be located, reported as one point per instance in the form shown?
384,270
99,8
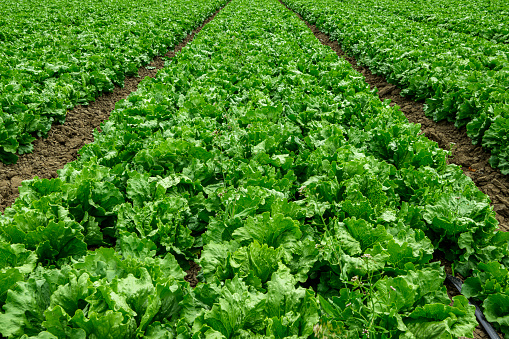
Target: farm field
64,141
462,78
55,55
473,160
481,18
299,203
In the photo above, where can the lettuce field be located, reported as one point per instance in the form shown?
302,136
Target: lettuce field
257,186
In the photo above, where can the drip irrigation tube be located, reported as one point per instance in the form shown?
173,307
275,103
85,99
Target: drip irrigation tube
478,313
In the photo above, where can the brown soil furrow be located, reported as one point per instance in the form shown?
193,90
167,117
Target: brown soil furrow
192,273
64,141
472,159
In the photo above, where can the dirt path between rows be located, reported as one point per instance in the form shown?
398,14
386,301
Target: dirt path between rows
472,159
64,141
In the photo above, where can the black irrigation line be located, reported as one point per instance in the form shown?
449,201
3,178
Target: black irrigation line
478,313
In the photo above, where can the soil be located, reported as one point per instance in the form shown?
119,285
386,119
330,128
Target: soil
471,158
64,141
192,274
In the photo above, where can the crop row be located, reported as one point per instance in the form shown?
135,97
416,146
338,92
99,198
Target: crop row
57,54
312,207
483,18
462,78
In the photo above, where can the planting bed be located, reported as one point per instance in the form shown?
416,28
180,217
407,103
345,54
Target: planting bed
486,19
473,159
462,78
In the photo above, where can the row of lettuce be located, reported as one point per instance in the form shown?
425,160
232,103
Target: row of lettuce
57,54
313,209
462,78
486,19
